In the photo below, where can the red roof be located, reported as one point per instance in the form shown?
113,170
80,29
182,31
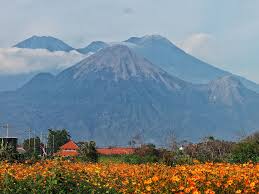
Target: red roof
115,151
65,153
69,146
68,149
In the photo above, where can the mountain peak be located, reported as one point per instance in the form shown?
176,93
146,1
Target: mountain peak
148,38
118,59
93,47
44,42
119,62
122,50
97,43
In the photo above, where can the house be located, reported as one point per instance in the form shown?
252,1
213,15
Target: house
71,149
68,149
116,151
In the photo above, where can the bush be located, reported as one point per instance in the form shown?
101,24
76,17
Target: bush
173,158
7,152
148,153
136,159
211,150
88,152
128,158
246,150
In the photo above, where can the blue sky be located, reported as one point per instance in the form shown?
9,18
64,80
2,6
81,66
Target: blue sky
223,33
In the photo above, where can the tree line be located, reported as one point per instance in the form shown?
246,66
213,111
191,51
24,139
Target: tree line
209,149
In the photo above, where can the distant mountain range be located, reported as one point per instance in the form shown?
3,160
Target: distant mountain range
116,93
44,42
157,49
161,52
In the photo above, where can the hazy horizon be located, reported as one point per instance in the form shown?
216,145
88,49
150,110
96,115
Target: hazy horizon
221,33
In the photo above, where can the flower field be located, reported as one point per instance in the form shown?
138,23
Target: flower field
55,176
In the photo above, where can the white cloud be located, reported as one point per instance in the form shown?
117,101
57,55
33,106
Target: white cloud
196,43
19,61
205,47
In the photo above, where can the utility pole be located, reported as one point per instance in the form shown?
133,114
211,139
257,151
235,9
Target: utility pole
34,143
29,130
47,139
53,143
41,137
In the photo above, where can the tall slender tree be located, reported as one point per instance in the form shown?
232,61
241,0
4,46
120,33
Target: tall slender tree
57,138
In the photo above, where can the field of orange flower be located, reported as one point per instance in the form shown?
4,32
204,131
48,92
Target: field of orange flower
74,177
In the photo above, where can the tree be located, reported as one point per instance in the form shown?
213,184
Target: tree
172,140
247,149
210,149
7,152
32,146
88,152
57,138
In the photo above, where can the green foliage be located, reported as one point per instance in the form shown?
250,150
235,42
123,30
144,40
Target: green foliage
128,158
136,159
147,150
210,149
173,158
247,150
168,158
57,138
32,146
59,183
88,152
7,152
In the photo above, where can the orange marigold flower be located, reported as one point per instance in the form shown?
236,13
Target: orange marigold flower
187,190
155,178
147,182
148,188
196,192
175,179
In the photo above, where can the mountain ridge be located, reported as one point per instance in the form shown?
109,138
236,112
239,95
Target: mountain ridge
110,111
93,47
177,62
163,53
44,42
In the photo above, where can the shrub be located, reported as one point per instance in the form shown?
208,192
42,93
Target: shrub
247,150
210,149
88,152
147,154
8,153
173,158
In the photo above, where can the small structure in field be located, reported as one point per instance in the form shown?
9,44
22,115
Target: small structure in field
116,151
69,149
